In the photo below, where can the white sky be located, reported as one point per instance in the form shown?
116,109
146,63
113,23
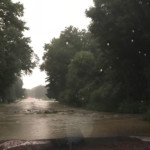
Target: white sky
46,19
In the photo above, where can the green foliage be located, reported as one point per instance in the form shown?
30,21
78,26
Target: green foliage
15,53
79,74
58,55
123,31
14,92
107,68
146,115
130,106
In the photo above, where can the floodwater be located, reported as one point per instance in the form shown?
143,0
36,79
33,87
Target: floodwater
33,119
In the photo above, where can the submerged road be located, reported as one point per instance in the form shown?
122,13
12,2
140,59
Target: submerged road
33,119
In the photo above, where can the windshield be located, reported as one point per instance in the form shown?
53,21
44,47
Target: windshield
74,74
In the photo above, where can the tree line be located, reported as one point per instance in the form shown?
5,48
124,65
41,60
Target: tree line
16,55
38,92
107,67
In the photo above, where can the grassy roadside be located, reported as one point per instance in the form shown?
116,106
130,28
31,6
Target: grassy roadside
48,99
6,103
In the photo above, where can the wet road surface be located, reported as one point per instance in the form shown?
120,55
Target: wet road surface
33,119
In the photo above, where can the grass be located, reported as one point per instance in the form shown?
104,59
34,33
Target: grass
146,116
48,99
2,104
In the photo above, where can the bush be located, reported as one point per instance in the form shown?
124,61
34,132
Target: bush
70,97
105,98
146,116
130,106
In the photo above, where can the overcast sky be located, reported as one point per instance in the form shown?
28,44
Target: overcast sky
46,19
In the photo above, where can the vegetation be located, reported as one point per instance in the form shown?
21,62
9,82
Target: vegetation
105,68
36,92
15,53
14,92
123,31
59,54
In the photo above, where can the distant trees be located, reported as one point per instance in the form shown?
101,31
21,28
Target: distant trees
15,53
108,67
36,92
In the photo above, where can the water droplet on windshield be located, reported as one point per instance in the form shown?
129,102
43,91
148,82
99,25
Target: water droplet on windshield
101,70
102,5
82,98
108,44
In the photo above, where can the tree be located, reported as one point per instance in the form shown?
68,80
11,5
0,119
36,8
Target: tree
15,53
37,92
15,91
58,55
123,30
78,78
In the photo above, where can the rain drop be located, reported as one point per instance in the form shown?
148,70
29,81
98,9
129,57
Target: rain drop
108,44
145,54
102,5
101,70
82,98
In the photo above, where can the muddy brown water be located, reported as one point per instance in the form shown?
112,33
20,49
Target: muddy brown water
33,119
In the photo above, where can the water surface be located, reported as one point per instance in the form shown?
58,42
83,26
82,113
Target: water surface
32,119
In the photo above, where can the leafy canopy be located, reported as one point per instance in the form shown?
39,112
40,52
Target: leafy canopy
16,55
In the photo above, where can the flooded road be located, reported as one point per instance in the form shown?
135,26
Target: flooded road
32,119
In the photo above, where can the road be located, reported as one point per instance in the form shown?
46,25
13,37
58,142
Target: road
33,119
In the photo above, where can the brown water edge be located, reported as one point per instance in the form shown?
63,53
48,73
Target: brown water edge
33,119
